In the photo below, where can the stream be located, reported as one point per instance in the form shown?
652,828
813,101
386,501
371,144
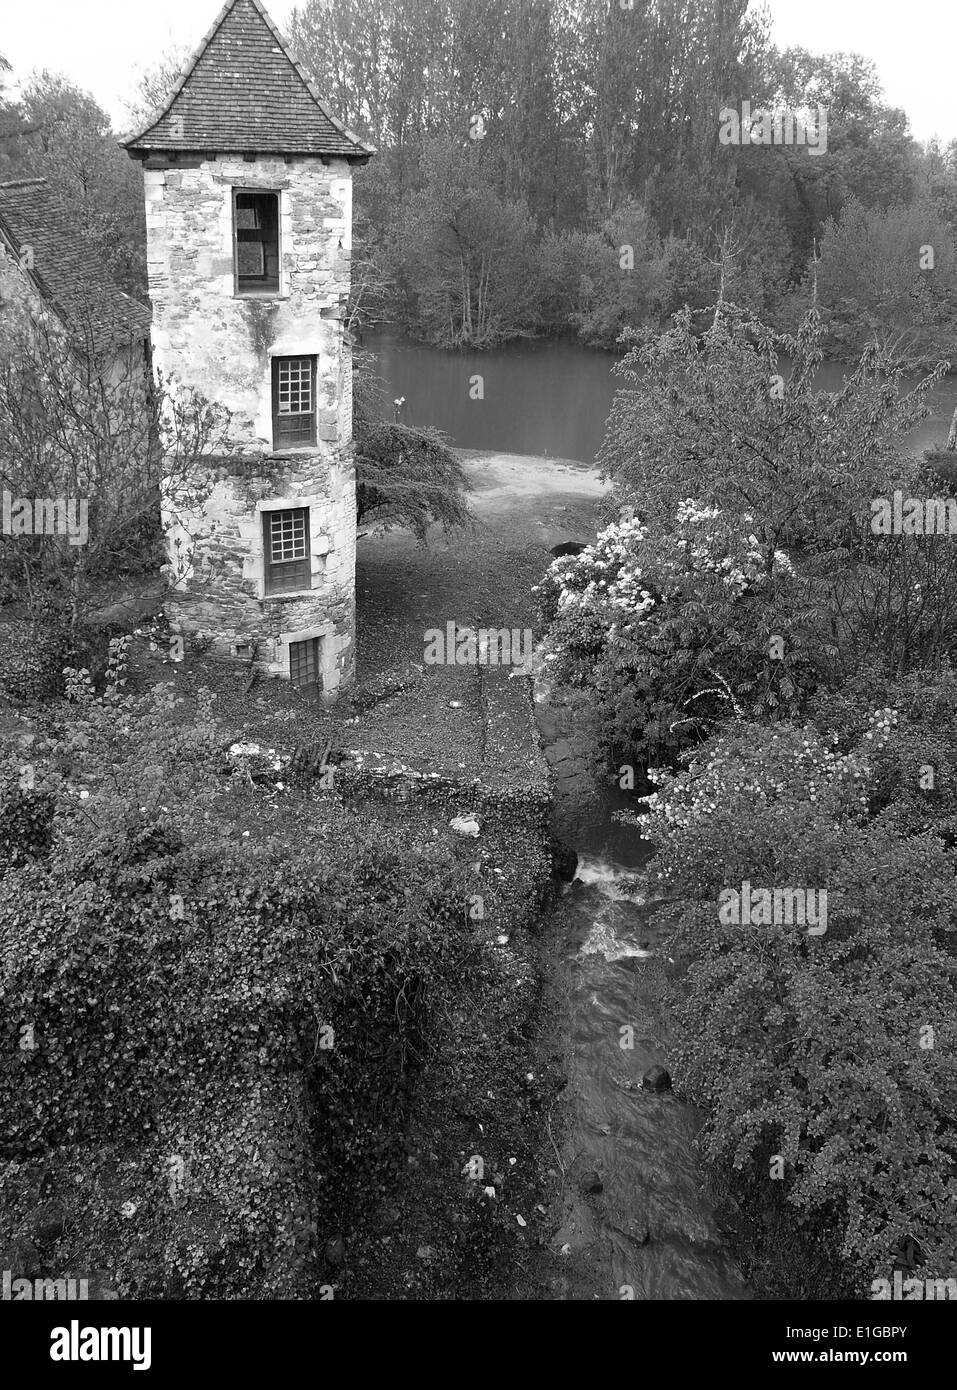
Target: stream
649,1233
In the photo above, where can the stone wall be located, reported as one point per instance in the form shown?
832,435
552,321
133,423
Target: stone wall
210,339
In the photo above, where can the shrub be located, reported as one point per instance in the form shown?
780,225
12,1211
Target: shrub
168,992
833,1051
734,419
913,785
671,633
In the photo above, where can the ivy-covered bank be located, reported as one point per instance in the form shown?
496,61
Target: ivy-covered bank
266,1033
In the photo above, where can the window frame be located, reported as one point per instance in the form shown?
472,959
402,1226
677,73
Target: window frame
272,569
278,443
273,289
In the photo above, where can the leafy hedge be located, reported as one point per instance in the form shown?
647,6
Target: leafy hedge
834,1052
168,992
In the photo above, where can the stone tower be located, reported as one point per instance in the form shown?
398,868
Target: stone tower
248,183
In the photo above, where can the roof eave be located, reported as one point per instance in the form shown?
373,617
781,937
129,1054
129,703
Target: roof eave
360,155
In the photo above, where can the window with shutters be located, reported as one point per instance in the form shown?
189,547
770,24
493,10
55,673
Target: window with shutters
293,402
286,548
304,662
256,242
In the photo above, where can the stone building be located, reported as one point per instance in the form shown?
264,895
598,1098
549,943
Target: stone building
51,273
248,183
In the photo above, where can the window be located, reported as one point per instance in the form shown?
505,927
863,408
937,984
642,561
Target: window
256,242
286,547
293,402
304,662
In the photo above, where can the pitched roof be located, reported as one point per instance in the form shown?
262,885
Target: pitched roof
246,91
68,270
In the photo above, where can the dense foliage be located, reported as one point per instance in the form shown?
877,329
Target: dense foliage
750,576
736,419
213,1035
743,623
527,143
672,633
824,1061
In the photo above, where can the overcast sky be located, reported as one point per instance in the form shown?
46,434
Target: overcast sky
101,43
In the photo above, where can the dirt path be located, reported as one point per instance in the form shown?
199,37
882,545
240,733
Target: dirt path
522,506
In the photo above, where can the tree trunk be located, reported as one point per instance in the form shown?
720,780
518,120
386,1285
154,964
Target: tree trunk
952,437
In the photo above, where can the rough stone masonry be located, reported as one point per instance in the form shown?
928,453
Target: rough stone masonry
245,120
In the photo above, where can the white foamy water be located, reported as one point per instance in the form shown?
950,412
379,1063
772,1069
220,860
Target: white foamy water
602,940
613,881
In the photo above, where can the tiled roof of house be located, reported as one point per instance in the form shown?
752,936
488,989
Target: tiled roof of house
246,91
67,270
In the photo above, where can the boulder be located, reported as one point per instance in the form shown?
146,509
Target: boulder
656,1079
465,825
564,860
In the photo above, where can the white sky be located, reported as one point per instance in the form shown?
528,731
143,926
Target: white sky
101,43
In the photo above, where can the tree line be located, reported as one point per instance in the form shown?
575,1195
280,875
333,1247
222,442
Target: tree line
554,166
550,166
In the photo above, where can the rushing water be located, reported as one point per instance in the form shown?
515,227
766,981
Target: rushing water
650,1232
542,397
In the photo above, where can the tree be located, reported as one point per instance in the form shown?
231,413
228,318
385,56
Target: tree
890,275
156,83
404,476
76,151
734,419
13,129
604,282
464,267
81,421
870,154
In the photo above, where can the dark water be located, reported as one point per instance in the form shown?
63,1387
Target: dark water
650,1233
541,397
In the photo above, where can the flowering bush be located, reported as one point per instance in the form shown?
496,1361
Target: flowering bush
673,633
833,1053
914,781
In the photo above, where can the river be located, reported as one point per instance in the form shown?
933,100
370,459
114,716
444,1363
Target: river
543,397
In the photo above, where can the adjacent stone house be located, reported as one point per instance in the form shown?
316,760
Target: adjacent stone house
50,272
248,183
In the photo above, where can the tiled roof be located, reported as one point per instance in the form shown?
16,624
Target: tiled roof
246,91
67,269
